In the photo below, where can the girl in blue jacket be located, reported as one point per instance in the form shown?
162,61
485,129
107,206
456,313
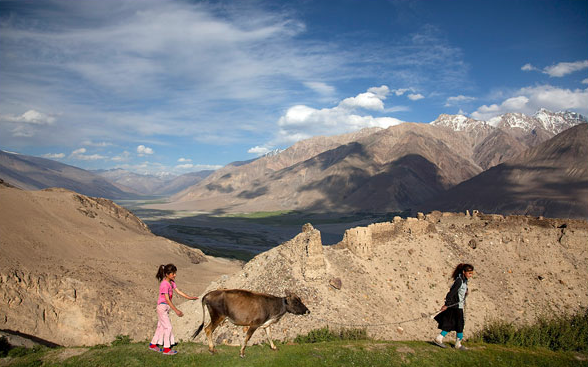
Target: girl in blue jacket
451,316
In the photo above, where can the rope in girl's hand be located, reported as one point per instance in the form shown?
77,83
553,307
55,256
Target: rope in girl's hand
399,328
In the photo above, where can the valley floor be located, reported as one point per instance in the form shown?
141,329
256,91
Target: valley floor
242,236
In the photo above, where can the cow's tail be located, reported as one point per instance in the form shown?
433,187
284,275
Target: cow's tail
203,316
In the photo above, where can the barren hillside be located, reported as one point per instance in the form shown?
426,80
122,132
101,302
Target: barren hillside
550,179
395,274
76,270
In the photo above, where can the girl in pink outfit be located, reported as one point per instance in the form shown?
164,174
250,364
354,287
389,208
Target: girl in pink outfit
163,335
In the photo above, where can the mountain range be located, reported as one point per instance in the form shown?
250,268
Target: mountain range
407,166
152,184
35,173
452,163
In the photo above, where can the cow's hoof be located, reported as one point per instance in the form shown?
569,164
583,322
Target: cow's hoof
212,351
242,355
274,348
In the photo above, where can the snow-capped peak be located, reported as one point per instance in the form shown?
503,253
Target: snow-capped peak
457,122
557,122
554,122
273,153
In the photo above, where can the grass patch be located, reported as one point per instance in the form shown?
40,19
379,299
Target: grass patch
328,335
333,353
557,333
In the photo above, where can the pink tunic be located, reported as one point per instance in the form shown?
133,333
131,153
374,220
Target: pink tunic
166,288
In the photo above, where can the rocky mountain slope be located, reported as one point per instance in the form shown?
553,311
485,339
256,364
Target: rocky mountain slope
378,170
390,277
550,179
77,270
375,170
34,173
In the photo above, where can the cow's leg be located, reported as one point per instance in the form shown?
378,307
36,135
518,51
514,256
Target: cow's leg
247,337
269,338
215,321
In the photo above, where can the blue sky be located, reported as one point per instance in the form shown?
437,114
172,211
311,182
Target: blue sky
179,86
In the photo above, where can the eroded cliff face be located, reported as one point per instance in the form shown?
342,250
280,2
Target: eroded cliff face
62,309
76,270
389,277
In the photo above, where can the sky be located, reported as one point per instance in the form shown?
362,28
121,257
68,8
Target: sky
178,86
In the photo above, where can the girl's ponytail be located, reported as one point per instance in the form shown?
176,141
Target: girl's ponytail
160,273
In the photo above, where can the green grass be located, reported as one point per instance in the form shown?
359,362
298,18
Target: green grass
558,333
327,334
334,353
294,217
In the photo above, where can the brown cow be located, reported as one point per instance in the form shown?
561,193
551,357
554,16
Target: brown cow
249,309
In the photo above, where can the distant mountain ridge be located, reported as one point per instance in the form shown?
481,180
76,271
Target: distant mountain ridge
376,170
34,173
152,184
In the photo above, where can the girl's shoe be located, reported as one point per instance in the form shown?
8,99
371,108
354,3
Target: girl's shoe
154,348
169,352
439,342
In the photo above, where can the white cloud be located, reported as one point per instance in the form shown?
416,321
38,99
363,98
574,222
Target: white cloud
184,160
368,101
185,166
195,167
452,101
565,68
31,117
79,151
321,88
301,122
143,150
90,143
54,155
585,81
560,69
401,91
257,150
27,124
530,99
415,97
79,154
381,91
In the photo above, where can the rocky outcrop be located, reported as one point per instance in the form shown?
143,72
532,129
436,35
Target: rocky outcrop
391,276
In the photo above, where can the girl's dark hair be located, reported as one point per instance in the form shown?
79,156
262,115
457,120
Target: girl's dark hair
460,269
164,270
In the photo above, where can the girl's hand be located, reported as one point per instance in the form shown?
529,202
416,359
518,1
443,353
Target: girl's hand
194,298
179,313
443,308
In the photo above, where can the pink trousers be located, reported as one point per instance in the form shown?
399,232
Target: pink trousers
163,333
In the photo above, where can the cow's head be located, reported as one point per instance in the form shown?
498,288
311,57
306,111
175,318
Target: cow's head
294,304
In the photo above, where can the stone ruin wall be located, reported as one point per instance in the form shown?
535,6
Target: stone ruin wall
313,260
362,240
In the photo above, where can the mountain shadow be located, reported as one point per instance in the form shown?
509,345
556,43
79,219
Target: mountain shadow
548,180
